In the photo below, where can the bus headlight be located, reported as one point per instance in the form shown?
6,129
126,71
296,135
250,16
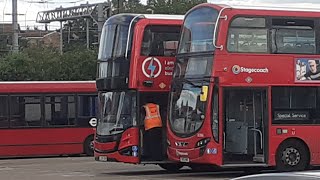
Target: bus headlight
202,142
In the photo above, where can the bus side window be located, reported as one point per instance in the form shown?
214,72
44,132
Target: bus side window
25,111
295,105
293,36
249,35
59,110
87,109
4,112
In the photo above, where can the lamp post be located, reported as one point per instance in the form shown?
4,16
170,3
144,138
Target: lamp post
118,6
15,27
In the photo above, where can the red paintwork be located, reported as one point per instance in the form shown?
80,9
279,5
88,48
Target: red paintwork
130,137
105,146
120,158
44,141
136,75
281,72
47,86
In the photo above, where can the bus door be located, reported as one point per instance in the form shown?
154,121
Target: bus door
157,138
245,113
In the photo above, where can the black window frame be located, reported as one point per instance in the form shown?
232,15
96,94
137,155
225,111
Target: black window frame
11,116
46,124
309,115
7,113
315,24
159,29
266,27
78,116
43,123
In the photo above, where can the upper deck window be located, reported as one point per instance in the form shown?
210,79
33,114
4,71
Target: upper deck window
113,41
293,36
248,34
198,30
160,40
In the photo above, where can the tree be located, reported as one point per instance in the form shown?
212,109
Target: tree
117,6
128,6
46,64
134,6
173,6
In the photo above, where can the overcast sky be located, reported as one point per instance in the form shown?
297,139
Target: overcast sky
31,7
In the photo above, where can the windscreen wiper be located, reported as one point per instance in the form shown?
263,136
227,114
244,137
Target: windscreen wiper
116,129
191,83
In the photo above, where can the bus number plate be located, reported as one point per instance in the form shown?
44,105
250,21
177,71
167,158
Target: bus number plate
103,158
184,159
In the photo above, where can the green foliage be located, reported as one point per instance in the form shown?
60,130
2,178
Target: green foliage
47,64
173,6
128,6
157,6
77,63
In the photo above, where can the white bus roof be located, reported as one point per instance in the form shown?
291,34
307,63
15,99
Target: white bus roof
158,16
278,7
163,16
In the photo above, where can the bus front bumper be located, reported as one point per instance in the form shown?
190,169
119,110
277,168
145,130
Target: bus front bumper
202,155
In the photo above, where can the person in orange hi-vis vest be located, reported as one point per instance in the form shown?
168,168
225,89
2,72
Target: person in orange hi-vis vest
153,132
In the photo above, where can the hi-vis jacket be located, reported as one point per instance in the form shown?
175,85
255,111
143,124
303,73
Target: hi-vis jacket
152,118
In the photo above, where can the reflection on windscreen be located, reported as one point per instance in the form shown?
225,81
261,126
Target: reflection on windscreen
113,41
193,66
117,113
186,109
198,31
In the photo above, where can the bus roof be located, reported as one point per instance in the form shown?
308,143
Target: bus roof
154,16
47,87
163,16
279,7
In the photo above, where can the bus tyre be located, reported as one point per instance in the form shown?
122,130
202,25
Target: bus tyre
171,167
292,155
88,146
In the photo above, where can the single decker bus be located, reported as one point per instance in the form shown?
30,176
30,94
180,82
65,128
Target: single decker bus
42,118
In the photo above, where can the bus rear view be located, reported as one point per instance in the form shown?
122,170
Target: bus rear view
135,66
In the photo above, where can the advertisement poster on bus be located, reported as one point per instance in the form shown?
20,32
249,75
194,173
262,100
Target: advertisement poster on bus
307,69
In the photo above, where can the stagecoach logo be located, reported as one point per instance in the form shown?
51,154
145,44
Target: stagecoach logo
236,69
151,67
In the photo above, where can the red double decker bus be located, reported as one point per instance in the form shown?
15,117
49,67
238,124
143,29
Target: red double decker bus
135,66
40,118
246,88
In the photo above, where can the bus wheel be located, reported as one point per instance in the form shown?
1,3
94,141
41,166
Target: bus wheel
171,167
292,155
88,146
